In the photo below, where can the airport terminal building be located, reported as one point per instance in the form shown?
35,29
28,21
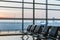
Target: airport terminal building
29,19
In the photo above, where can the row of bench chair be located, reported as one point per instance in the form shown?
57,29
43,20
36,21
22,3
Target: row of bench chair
43,32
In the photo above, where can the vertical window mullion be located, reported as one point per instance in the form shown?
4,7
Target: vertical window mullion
22,15
22,19
33,14
46,12
33,11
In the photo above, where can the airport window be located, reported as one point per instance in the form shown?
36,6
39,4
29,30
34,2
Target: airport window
28,13
41,14
53,9
40,6
28,0
53,14
26,23
28,5
16,15
40,1
39,22
10,13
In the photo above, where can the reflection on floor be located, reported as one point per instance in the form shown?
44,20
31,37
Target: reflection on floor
15,37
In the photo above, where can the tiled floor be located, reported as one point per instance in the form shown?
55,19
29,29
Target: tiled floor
19,37
13,37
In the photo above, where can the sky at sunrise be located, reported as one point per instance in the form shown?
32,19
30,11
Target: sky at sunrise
28,13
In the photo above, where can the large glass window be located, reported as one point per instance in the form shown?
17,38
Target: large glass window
53,2
10,13
26,23
54,14
40,6
28,5
28,0
40,1
54,9
10,4
16,15
13,0
39,22
40,14
28,13
9,26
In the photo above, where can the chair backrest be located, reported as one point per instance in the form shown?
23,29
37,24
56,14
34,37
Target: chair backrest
46,30
29,27
33,28
38,29
54,32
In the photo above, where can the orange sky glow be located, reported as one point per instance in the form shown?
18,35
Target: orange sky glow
10,14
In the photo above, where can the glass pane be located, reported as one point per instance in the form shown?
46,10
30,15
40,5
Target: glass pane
53,7
53,2
28,5
10,13
13,0
54,14
10,26
39,6
28,13
40,1
54,22
40,14
11,4
39,22
28,0
26,23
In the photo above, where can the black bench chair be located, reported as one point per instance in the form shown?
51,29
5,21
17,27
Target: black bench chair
53,33
33,28
44,33
29,27
38,29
